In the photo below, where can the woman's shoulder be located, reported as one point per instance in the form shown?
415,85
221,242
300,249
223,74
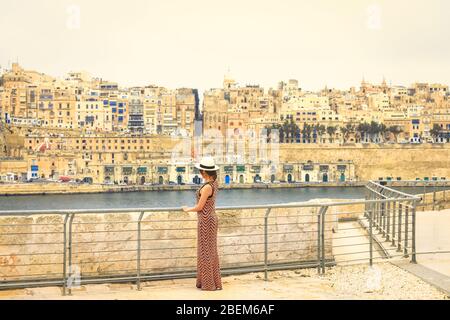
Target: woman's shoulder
207,186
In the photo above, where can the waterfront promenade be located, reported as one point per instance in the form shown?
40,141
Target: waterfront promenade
350,282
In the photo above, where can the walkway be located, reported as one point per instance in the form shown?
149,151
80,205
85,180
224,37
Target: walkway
383,281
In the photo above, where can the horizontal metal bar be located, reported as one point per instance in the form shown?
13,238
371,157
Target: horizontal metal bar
364,235
178,209
20,233
350,253
31,244
351,245
31,254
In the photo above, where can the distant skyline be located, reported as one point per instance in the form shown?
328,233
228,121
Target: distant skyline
177,43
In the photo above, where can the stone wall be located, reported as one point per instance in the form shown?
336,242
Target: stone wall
374,161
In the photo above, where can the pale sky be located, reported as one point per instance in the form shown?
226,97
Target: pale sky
192,43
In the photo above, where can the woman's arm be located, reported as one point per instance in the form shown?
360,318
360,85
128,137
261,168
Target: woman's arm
205,193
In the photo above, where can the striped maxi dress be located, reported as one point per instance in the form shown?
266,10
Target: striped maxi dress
208,268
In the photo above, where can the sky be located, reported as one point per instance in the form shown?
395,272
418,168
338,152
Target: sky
180,43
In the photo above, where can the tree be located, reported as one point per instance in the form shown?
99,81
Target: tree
382,130
307,130
435,132
374,130
286,131
320,129
275,126
349,128
331,131
293,129
395,130
363,129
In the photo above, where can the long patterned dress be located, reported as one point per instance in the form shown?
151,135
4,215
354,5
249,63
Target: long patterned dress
208,269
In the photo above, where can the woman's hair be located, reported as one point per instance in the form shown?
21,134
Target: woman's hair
212,173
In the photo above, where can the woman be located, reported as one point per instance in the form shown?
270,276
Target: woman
208,269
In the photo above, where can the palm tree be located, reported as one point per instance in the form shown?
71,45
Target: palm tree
349,128
275,126
309,131
320,129
395,130
383,130
297,133
293,128
363,129
374,130
305,131
436,131
286,130
331,131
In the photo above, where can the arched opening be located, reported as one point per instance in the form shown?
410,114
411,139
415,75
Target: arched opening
196,180
257,178
160,180
342,177
307,177
325,177
107,179
142,179
241,178
125,180
180,179
227,179
272,178
289,177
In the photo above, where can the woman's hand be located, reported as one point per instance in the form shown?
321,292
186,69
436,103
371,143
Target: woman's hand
185,208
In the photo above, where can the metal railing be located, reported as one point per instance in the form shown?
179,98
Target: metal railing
70,247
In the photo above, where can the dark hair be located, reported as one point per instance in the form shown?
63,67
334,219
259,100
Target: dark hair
211,173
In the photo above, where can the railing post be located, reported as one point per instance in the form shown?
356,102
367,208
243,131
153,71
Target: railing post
319,217
405,248
445,187
383,219
323,210
399,228
375,214
424,194
393,222
70,249
138,254
380,215
413,233
266,244
65,255
434,195
370,238
388,220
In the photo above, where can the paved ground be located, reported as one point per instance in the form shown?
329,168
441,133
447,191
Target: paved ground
351,244
383,281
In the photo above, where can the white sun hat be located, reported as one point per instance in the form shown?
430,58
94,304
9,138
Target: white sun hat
207,163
